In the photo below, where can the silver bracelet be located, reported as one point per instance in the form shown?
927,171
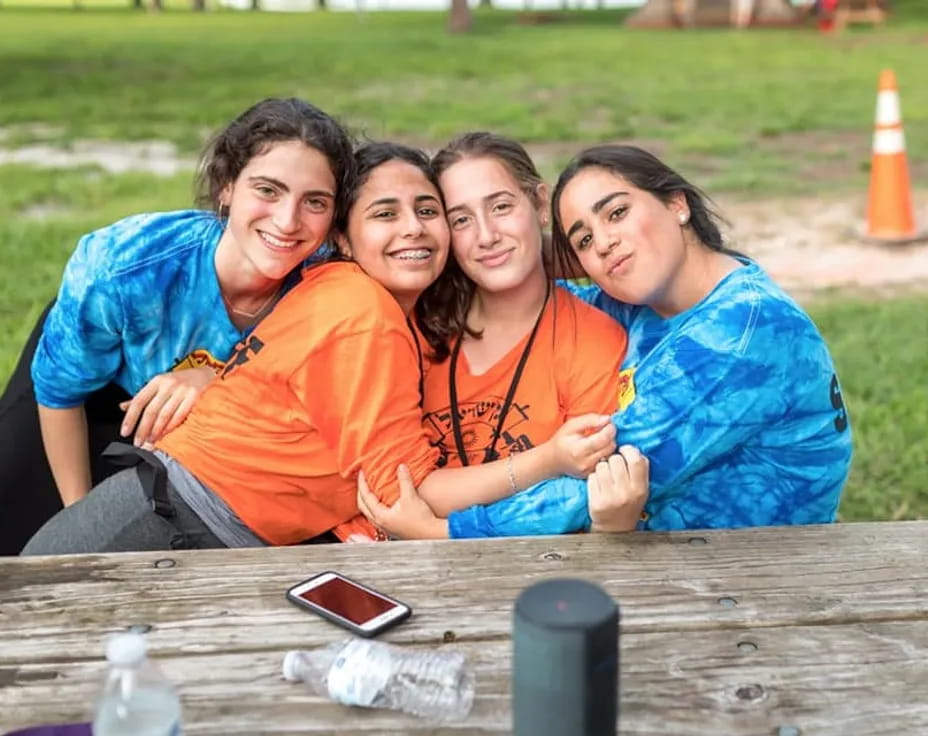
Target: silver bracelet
512,475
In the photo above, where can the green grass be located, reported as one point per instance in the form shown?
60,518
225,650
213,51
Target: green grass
739,108
760,112
879,347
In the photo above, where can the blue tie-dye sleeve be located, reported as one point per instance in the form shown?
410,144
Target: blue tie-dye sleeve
587,291
596,297
678,440
556,506
80,347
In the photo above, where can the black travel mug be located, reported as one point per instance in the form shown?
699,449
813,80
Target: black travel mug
565,660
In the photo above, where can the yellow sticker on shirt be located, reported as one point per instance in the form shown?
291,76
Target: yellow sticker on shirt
197,359
626,393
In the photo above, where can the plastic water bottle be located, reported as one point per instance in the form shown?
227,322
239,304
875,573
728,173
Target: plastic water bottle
436,685
137,700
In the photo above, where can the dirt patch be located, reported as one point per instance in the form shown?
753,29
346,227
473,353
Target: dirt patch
809,244
152,157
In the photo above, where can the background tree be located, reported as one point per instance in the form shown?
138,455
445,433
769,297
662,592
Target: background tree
460,20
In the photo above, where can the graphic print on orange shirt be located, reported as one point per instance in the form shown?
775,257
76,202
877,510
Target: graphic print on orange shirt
478,422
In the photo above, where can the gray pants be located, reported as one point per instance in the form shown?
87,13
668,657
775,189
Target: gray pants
116,517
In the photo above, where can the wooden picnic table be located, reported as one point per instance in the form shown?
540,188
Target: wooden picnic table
789,631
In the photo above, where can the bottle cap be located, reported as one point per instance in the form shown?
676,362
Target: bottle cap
290,670
125,649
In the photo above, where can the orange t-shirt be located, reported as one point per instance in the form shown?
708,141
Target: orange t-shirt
572,369
326,385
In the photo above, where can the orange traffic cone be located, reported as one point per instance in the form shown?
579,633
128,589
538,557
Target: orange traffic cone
889,209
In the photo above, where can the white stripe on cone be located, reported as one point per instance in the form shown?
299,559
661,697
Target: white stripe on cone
887,108
889,141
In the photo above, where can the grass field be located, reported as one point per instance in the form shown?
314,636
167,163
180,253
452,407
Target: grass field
761,113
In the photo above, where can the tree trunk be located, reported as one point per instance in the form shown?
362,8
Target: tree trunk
486,4
198,5
256,4
322,5
137,4
459,21
155,6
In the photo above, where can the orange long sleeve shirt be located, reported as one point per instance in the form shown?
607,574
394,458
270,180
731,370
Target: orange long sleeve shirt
326,385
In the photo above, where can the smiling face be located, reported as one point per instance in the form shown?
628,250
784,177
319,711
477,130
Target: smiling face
495,225
627,240
397,230
280,209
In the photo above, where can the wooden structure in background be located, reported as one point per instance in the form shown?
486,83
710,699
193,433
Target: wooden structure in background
858,11
708,13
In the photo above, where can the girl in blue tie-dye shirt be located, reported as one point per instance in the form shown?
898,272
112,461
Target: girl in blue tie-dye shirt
154,304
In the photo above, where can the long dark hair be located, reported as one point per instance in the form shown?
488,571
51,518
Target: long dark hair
644,171
270,121
367,158
443,309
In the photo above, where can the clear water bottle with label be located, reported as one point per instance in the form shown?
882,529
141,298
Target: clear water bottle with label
137,700
433,684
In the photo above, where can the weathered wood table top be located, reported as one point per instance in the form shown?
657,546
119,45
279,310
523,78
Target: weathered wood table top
789,631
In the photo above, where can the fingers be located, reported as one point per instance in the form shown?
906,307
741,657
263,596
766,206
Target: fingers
592,488
636,464
610,476
180,414
136,405
407,487
617,490
163,403
364,496
602,442
160,419
637,468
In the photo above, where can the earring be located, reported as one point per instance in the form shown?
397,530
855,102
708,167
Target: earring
684,217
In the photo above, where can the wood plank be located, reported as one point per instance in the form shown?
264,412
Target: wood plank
846,573
834,611
842,679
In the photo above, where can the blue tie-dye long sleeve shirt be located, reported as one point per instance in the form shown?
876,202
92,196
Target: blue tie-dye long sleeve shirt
138,298
736,404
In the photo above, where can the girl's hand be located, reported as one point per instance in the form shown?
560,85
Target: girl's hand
409,518
163,403
617,491
580,443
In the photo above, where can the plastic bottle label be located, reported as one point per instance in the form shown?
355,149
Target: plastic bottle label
359,673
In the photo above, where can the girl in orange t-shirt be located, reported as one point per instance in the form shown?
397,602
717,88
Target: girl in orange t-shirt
520,356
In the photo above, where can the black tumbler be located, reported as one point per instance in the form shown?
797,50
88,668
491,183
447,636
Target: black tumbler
565,660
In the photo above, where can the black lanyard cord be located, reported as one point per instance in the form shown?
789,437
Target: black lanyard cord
491,453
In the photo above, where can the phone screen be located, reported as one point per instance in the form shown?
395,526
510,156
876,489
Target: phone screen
347,600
